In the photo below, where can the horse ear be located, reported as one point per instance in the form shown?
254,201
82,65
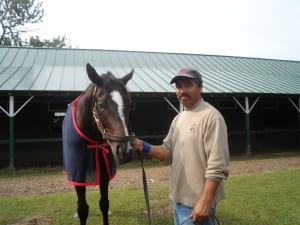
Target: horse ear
93,75
127,77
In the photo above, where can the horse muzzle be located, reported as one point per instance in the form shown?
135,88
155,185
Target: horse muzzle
124,149
127,157
124,153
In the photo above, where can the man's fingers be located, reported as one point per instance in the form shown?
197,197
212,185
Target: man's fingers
137,144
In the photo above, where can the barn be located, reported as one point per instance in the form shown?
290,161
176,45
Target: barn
259,98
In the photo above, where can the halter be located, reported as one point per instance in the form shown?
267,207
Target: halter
103,130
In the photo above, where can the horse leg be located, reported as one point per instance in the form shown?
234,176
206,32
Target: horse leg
82,206
104,202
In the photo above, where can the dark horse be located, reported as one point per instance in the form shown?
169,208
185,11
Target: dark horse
95,137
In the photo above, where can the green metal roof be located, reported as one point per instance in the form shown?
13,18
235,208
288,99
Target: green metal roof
63,70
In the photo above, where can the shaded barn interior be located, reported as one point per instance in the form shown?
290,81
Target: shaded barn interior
38,126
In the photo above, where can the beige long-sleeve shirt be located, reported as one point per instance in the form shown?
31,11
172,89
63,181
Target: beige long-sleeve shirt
197,148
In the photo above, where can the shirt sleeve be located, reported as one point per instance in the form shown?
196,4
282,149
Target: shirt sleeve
216,148
168,143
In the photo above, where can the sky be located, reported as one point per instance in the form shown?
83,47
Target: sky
248,28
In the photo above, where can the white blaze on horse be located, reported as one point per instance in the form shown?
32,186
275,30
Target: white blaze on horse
96,137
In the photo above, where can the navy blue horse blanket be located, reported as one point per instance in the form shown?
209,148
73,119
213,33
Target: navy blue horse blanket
81,153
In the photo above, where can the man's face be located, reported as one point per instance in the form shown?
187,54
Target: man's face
188,92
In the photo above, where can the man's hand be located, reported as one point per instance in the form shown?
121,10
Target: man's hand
155,151
202,208
137,144
201,211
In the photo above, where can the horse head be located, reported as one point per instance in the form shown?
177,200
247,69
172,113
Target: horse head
111,103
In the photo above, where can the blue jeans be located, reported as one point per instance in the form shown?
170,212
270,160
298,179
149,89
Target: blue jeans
182,216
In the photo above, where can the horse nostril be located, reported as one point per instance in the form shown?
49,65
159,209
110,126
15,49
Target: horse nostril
119,151
125,153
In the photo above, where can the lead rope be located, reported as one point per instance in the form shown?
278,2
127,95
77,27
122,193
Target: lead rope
145,185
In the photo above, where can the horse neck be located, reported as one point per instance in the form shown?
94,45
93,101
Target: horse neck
84,116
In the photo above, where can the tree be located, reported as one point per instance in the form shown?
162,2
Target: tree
14,15
57,42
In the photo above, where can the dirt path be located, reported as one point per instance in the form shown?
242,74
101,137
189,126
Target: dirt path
133,177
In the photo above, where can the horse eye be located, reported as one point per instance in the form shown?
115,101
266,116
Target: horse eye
101,106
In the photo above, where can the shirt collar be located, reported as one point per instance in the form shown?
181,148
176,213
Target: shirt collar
196,105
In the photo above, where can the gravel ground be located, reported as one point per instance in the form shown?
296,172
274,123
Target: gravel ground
133,177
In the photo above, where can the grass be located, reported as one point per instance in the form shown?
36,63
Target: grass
126,205
262,199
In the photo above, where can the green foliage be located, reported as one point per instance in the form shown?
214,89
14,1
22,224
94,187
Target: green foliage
57,42
263,199
14,14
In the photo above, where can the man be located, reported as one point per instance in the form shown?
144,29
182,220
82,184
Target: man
196,146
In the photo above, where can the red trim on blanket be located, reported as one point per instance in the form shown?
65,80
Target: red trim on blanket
81,134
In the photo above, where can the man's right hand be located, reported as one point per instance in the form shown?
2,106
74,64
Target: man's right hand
137,144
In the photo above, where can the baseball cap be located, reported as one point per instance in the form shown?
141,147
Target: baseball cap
186,72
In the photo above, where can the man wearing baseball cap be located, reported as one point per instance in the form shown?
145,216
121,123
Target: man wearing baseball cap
196,146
